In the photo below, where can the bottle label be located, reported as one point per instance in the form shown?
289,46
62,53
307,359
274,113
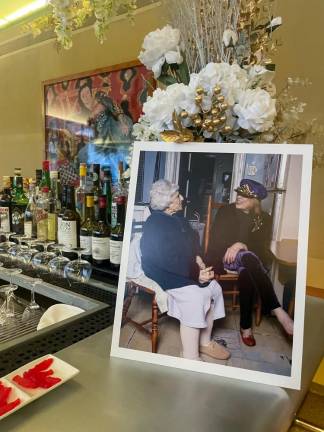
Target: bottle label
69,235
28,228
42,229
59,221
114,214
115,251
4,219
18,214
100,248
52,226
86,243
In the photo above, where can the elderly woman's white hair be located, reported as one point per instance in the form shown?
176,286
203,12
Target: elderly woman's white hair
161,194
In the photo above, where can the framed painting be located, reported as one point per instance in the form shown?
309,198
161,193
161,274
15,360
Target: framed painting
230,285
89,117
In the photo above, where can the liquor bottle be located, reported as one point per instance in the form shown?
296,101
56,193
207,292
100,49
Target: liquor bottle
54,207
46,180
117,233
61,213
70,224
80,192
101,236
87,227
17,173
107,191
30,227
5,205
39,174
18,206
42,214
96,189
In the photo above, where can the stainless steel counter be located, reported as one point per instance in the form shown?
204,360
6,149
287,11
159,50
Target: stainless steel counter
119,395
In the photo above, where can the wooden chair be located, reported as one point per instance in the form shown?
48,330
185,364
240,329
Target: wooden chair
231,278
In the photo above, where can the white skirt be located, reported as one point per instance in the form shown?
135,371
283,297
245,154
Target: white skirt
191,303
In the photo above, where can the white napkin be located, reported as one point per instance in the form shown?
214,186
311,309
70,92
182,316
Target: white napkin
56,313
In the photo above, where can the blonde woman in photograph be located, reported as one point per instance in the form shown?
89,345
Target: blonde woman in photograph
171,257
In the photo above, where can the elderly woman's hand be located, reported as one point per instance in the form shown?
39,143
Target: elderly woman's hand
200,263
206,275
232,251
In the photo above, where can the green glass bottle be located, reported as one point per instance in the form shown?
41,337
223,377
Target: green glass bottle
19,205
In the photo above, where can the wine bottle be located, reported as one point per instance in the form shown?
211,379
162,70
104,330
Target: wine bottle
42,215
70,224
30,228
54,207
96,189
19,204
5,205
80,192
46,180
61,213
87,227
107,191
117,231
101,236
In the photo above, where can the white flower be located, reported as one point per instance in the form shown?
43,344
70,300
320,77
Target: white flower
256,110
231,78
230,38
159,47
275,22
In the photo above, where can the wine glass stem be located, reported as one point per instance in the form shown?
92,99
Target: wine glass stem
32,295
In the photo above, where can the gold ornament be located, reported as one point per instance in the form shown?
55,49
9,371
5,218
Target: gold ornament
227,129
198,122
215,111
220,98
216,122
222,119
198,99
180,134
184,114
223,106
208,121
210,129
217,90
200,91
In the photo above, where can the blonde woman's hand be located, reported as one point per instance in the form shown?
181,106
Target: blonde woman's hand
232,251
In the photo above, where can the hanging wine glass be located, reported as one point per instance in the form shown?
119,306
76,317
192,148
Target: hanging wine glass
7,244
8,308
41,259
16,248
32,307
26,254
58,263
78,270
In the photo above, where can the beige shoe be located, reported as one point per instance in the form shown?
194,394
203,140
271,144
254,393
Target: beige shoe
214,350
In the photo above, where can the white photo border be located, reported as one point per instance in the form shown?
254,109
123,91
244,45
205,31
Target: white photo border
294,380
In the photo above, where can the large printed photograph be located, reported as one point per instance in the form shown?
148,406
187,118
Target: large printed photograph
214,260
89,118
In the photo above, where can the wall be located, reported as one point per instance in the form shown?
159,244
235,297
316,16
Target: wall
22,73
301,56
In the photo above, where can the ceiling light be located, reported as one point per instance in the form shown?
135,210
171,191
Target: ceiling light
26,10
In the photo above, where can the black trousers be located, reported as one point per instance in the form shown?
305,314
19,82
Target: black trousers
254,281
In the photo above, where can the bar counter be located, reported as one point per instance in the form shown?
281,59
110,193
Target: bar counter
119,395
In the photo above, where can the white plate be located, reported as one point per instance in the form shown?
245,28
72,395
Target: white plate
61,369
14,394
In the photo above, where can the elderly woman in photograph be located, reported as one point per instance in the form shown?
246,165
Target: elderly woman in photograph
170,256
239,241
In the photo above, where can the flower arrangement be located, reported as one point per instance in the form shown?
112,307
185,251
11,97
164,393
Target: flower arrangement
216,77
68,15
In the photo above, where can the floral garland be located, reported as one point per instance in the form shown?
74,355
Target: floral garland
69,15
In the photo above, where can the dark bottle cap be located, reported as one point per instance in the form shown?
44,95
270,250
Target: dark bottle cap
102,202
46,165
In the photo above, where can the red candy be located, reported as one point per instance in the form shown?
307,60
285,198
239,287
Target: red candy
38,376
6,406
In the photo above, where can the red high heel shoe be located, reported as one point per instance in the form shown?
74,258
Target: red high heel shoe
248,340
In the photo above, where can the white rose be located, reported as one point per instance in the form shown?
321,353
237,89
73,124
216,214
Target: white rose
230,38
159,47
256,110
231,78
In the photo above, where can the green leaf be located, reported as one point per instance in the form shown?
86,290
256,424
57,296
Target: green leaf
167,79
183,73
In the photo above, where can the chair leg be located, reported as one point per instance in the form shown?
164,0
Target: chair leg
234,297
127,302
154,336
258,310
